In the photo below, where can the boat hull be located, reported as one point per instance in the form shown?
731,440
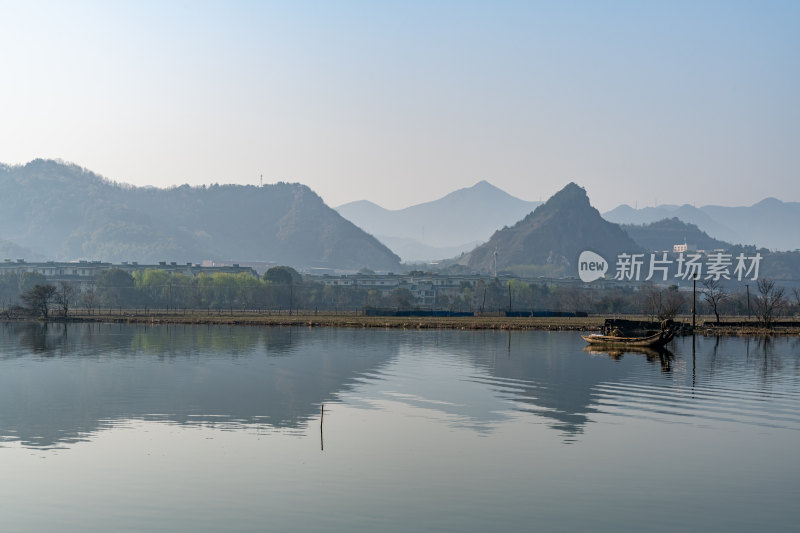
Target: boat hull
652,341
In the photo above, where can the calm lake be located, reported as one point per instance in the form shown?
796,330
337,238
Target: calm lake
197,428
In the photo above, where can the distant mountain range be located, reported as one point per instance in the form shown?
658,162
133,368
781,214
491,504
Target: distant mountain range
442,228
463,219
52,210
64,212
551,238
549,241
769,223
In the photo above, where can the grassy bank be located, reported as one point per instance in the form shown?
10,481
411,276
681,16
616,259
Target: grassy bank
706,325
343,320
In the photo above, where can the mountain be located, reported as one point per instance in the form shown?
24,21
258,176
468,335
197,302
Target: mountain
10,251
625,214
553,236
414,251
769,223
64,212
444,227
662,235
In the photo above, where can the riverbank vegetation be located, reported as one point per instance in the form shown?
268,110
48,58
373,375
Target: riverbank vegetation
284,297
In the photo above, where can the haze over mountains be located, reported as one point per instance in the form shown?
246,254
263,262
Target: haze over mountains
64,212
441,228
52,210
460,221
769,223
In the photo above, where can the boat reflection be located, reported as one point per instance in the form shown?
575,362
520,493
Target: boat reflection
661,355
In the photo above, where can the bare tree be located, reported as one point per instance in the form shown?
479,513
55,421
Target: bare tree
89,298
796,293
572,299
769,300
714,293
38,299
672,301
65,296
663,303
651,300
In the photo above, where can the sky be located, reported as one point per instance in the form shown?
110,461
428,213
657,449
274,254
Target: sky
640,102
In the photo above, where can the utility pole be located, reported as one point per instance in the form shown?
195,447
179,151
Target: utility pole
747,285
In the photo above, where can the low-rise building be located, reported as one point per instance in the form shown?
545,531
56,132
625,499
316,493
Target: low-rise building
86,272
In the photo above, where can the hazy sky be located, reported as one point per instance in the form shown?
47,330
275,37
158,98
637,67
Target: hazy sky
402,102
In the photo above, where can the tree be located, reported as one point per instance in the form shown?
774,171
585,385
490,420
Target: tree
224,289
650,298
204,285
714,293
402,298
373,298
662,303
443,300
64,296
496,295
154,285
283,274
115,287
284,279
672,302
89,298
9,288
769,301
251,290
38,299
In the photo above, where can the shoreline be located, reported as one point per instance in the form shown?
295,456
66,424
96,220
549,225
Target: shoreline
352,320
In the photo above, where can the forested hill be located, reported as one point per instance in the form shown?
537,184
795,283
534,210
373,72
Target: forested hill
64,212
664,234
552,237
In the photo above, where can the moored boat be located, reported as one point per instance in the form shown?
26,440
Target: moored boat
655,340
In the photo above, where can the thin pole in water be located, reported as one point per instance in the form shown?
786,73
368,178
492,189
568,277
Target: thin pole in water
748,300
694,300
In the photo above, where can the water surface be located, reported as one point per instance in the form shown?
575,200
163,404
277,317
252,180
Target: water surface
198,428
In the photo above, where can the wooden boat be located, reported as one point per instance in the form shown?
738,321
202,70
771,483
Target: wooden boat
655,340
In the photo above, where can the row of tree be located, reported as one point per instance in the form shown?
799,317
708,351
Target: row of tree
283,289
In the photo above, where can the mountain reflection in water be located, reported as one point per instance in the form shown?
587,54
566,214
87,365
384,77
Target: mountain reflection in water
61,383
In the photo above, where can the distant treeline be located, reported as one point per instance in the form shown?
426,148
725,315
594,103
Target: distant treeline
284,289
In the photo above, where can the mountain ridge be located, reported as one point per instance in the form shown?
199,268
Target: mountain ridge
768,223
465,215
65,212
